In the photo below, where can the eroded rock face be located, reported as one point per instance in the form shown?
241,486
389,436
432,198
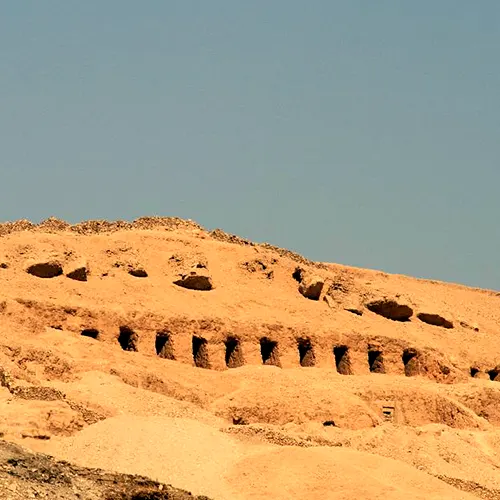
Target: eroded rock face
390,309
196,279
48,269
434,319
260,266
311,287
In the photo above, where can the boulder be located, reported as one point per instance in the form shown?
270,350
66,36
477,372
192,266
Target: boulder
311,287
196,279
47,269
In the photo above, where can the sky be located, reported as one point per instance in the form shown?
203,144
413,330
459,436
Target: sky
359,132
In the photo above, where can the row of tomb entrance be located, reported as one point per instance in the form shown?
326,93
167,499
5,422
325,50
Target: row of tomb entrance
269,352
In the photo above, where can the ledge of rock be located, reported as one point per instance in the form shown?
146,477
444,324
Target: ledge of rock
390,309
48,269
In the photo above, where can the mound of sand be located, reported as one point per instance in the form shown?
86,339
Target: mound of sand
173,451
333,473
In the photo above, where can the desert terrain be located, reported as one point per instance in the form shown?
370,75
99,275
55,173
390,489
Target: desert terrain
235,370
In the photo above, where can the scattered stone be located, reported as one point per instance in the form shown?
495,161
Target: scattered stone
24,475
390,309
311,287
4,265
195,280
464,324
435,320
49,269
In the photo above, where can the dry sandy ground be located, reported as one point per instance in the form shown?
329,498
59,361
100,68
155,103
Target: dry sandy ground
320,419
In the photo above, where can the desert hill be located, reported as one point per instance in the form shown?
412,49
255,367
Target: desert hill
239,370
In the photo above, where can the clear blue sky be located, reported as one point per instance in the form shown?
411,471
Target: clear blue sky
360,132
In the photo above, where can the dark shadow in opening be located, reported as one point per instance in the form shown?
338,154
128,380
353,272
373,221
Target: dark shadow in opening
200,352
234,353
298,275
376,361
494,374
474,371
342,359
269,352
164,346
411,362
90,332
306,353
128,339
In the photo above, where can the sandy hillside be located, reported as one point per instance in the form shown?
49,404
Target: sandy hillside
243,371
